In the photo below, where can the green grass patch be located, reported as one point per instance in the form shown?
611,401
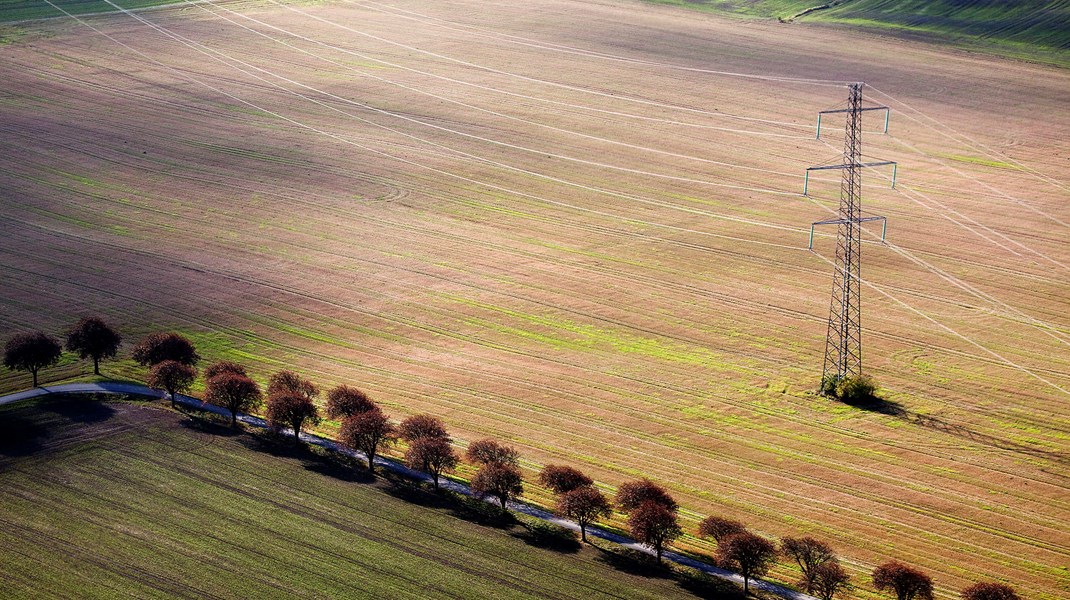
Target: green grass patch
114,499
24,10
1032,29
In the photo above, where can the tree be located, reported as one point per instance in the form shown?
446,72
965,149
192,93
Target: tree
828,579
224,366
654,524
989,591
293,410
906,582
92,338
501,480
344,401
31,352
233,391
290,383
633,493
418,427
562,479
719,528
160,346
487,452
809,554
749,554
432,455
367,431
584,505
172,376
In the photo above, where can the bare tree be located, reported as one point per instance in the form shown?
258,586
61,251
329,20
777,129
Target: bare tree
719,528
172,376
633,493
418,427
161,346
233,391
432,455
906,582
989,591
654,524
501,480
345,401
809,554
749,554
486,452
584,505
368,431
293,410
288,382
92,338
829,579
31,352
562,479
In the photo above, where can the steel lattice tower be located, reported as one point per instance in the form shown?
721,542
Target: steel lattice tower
843,344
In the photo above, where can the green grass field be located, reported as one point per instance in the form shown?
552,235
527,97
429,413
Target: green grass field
123,498
1034,29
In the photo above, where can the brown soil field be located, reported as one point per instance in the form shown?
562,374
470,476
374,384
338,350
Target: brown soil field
578,227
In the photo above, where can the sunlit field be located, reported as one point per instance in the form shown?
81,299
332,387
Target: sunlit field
579,227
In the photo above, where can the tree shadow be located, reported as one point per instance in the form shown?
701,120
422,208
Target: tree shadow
276,444
20,436
338,466
84,410
416,492
211,427
704,585
878,405
540,534
483,513
633,562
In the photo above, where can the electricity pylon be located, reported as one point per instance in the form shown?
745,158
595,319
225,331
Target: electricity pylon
843,343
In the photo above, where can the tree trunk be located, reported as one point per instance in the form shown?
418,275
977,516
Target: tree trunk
435,477
172,392
96,365
297,436
34,371
233,419
583,533
657,550
746,584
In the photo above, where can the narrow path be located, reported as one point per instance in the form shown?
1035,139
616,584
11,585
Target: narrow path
396,467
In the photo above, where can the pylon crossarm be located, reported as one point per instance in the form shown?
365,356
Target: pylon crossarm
887,115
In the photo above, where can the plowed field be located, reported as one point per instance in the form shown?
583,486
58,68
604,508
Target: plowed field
578,226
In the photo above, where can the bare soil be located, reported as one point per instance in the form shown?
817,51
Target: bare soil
574,226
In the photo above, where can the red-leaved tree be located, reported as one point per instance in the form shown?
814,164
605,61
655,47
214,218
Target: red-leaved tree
486,452
562,479
432,455
654,524
500,480
92,338
172,376
367,432
234,392
907,583
346,401
633,493
418,427
584,505
989,591
749,554
287,409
